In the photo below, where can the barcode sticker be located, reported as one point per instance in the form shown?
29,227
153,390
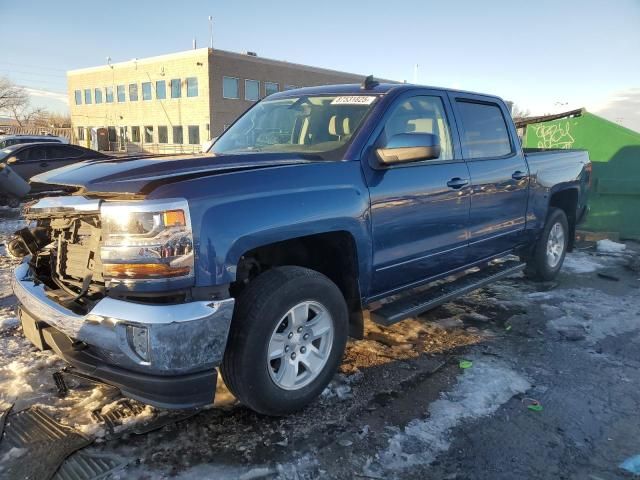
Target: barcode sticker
354,100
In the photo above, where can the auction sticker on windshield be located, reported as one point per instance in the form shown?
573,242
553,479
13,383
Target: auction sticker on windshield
354,100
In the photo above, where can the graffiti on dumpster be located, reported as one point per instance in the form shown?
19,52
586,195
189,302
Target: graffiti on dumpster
554,136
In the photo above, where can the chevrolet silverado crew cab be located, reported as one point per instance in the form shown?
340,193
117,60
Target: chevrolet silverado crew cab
258,257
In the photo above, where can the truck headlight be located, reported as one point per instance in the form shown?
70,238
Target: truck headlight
146,240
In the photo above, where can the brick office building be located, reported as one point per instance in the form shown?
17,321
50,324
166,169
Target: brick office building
176,102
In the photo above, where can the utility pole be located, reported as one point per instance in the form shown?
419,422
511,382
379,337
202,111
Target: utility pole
210,31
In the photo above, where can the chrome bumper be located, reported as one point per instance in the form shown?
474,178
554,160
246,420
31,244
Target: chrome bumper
183,338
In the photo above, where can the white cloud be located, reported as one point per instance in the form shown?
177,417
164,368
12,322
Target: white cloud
621,107
34,92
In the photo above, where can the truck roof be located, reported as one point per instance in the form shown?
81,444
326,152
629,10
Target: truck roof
357,89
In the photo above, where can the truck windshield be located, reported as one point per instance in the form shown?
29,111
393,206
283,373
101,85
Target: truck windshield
316,125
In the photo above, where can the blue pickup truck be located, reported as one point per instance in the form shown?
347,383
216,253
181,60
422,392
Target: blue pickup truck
258,257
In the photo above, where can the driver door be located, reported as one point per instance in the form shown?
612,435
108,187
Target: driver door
420,210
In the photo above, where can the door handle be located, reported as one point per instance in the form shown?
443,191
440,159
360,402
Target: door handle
457,183
518,175
44,164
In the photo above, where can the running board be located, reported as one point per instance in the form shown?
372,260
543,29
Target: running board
413,305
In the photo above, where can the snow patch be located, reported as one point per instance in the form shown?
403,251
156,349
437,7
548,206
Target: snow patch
480,391
580,262
609,246
593,314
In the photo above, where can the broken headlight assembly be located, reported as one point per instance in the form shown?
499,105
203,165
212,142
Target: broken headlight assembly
146,240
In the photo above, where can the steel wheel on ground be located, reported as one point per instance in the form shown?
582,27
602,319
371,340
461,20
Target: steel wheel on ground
551,247
287,339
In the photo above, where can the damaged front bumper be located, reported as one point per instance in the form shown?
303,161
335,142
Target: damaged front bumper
181,343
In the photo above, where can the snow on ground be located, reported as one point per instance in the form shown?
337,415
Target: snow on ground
585,313
480,391
581,262
609,246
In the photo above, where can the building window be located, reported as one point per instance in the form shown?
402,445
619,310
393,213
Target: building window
270,88
192,87
97,93
120,92
108,93
80,133
163,136
135,134
87,96
177,134
133,92
78,97
148,134
252,90
146,91
161,90
194,134
230,88
176,88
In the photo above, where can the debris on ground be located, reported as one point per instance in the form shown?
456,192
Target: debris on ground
464,364
608,276
632,465
532,404
34,434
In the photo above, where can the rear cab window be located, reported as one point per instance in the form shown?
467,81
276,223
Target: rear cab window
484,132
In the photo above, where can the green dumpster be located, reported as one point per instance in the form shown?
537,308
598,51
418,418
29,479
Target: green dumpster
615,152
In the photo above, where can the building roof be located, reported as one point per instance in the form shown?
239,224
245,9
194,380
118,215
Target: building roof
215,53
521,122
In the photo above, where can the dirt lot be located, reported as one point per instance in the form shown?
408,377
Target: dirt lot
551,391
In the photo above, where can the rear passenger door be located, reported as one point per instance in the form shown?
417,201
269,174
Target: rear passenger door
499,175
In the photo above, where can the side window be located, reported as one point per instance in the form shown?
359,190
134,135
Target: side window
484,130
422,114
61,151
35,153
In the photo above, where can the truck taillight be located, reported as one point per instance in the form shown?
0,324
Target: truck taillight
588,168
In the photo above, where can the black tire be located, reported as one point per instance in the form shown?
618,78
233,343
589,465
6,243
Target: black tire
538,265
259,309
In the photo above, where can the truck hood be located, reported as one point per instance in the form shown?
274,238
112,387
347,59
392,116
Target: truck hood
140,175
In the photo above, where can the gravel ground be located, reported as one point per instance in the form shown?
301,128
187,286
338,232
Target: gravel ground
551,391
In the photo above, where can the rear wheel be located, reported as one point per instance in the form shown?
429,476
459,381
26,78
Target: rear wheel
551,247
287,339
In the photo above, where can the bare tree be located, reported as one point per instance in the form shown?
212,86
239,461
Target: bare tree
14,101
59,120
11,95
517,112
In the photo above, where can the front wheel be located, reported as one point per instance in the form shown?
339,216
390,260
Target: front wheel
550,248
287,339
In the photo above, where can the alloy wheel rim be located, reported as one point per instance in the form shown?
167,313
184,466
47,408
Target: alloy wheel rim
555,245
300,345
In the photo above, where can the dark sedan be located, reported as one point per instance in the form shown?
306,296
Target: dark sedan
30,159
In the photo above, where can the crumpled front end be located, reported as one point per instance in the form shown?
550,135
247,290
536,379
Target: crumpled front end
159,347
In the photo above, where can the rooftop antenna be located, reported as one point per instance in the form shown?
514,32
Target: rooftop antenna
415,74
369,83
109,62
210,31
194,43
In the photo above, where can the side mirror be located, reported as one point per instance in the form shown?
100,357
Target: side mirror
409,147
13,159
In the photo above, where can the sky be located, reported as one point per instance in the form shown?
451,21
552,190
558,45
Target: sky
546,56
